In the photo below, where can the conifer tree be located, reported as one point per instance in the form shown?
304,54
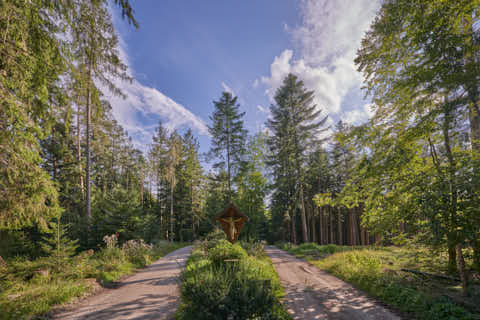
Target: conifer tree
228,136
95,45
295,126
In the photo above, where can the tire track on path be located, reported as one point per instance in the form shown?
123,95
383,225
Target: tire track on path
314,294
152,293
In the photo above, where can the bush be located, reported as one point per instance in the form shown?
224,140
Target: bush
244,289
224,250
255,249
138,252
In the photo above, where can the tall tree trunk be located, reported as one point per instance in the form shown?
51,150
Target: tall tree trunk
474,121
312,226
191,209
303,216
339,227
332,228
294,228
171,212
79,151
88,160
141,188
320,225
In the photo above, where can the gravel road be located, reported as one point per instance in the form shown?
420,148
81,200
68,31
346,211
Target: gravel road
152,293
314,294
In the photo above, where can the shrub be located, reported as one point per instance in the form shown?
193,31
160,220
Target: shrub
138,252
224,250
255,249
212,289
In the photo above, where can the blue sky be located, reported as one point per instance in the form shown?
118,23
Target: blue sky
185,53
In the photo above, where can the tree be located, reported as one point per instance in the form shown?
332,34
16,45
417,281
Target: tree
253,187
192,176
228,136
295,126
419,64
173,158
95,45
30,66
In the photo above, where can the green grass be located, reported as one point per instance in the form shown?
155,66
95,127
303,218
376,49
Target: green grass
222,281
377,271
25,294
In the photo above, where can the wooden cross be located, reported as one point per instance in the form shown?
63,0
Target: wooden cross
232,221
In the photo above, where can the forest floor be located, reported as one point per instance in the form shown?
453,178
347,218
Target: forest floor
152,293
314,294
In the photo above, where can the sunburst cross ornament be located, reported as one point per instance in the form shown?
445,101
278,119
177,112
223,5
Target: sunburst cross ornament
232,221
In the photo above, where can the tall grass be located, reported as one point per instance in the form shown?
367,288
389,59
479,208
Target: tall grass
376,270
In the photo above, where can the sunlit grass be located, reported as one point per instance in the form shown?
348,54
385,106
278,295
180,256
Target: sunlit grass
377,271
25,294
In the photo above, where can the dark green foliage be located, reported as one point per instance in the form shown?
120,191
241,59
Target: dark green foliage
57,245
295,125
228,137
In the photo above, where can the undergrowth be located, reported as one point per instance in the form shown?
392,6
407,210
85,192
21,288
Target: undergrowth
32,288
377,271
222,281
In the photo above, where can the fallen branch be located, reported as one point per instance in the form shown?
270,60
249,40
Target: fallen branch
438,276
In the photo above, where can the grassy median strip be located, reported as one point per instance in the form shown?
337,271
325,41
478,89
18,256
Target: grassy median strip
223,281
31,288
377,271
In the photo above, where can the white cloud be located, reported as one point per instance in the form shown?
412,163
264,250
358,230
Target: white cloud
226,88
263,109
326,44
358,116
148,102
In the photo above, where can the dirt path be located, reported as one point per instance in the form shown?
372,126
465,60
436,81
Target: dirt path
152,293
314,294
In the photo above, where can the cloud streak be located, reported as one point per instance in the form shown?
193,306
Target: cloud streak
144,104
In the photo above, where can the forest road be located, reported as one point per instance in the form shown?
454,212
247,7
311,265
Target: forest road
314,294
152,293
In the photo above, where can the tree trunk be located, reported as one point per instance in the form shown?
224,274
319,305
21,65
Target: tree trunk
474,121
171,212
88,160
303,216
332,235
339,227
320,225
79,152
461,269
141,189
312,225
294,228
452,259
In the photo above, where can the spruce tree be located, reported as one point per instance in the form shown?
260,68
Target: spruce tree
295,126
95,45
228,136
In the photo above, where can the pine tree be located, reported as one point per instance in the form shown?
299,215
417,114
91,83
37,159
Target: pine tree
228,136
